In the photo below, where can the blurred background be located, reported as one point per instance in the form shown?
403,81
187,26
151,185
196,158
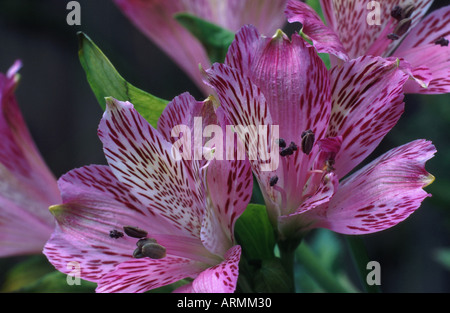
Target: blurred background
62,114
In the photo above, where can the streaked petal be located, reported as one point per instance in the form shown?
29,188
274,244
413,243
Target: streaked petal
325,40
229,191
421,51
140,275
349,21
382,194
367,103
142,159
221,278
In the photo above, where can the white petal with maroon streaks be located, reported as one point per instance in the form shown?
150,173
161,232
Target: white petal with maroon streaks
142,160
382,194
367,103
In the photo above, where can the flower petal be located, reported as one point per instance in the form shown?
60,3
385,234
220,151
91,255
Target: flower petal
421,51
349,19
155,19
367,103
142,159
382,194
140,275
325,40
221,278
229,191
27,187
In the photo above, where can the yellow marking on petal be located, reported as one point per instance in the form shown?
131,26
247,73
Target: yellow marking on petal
429,179
56,209
212,100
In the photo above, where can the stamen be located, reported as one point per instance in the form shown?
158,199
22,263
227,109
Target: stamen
308,139
396,13
442,41
148,247
281,143
293,146
153,251
273,181
135,232
115,234
402,27
408,11
286,151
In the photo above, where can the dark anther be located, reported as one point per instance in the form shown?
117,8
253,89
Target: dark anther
397,13
115,234
287,151
393,36
308,139
442,41
281,143
134,232
273,181
408,11
293,146
153,251
402,27
149,248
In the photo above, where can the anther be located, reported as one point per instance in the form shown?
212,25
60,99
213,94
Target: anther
286,151
396,13
153,251
281,143
273,181
142,242
402,27
115,234
293,146
442,41
134,232
308,139
408,11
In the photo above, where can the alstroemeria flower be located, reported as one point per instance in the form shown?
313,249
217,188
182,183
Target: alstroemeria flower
155,19
329,122
389,28
187,206
27,187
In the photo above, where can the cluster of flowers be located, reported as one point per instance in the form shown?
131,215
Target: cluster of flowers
146,220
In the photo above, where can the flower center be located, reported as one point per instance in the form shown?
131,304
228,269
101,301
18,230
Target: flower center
146,247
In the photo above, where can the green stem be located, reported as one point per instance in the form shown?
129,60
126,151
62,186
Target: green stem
360,259
287,258
321,275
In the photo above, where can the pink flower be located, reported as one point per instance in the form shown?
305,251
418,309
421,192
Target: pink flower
27,187
329,122
155,19
188,207
400,29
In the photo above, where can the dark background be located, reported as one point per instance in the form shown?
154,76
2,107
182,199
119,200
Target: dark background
63,114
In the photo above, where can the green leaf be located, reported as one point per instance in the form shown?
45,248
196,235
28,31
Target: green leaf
214,38
272,278
442,256
255,233
317,7
105,81
26,273
56,282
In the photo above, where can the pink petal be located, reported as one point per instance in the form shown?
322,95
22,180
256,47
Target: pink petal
155,19
229,191
349,21
221,278
382,194
27,187
265,15
140,275
367,103
142,159
420,50
325,40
